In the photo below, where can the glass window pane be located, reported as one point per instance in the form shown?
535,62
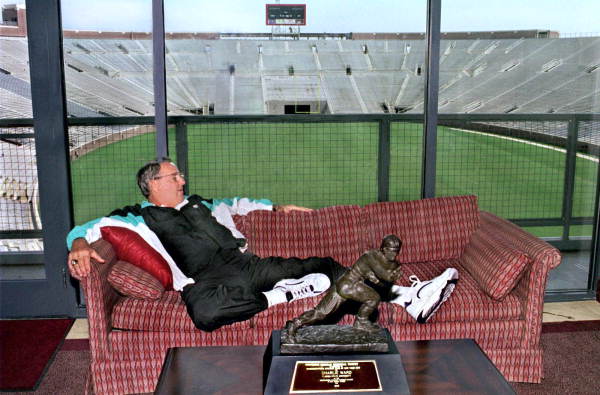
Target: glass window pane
575,268
309,164
514,57
512,176
107,48
15,91
240,64
519,57
104,164
586,169
20,222
406,151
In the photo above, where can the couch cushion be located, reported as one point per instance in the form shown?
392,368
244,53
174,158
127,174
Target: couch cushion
167,314
132,248
331,231
430,229
495,266
132,281
467,303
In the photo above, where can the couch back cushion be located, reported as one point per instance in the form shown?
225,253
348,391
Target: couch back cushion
431,229
331,231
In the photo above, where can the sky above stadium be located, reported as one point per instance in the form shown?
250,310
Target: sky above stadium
333,16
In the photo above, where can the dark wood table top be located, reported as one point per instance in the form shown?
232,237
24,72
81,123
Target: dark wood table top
432,367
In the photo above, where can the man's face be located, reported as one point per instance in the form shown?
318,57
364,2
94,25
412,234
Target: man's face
166,188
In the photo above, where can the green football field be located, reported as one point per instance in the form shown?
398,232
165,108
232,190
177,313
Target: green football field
322,164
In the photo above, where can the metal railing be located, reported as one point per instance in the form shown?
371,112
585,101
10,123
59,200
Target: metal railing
378,157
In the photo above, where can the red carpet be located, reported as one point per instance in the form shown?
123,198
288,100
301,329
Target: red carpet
26,349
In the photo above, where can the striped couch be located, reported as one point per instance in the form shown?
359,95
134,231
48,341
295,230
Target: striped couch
497,301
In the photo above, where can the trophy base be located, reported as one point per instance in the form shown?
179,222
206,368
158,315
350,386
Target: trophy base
334,339
348,367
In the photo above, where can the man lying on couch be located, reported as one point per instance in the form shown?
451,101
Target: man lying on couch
219,282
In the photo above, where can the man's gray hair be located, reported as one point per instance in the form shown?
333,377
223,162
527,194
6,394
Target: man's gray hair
148,172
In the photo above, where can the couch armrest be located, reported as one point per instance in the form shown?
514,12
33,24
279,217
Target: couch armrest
100,298
530,289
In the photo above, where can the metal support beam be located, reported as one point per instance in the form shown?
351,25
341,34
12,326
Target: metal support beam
594,274
181,147
160,85
51,296
569,183
48,100
383,163
430,105
22,258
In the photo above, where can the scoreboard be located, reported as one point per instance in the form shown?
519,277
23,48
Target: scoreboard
286,14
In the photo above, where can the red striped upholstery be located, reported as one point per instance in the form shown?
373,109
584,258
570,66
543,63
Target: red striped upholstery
164,315
495,266
130,280
490,335
331,231
146,344
125,377
517,364
100,298
430,229
530,290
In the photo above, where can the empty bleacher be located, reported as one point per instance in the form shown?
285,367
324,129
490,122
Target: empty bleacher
114,77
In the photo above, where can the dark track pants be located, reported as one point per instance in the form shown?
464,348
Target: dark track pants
232,291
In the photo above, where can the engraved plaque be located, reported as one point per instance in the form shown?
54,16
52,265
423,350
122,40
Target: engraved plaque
335,376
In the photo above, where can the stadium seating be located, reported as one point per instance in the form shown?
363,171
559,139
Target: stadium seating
114,77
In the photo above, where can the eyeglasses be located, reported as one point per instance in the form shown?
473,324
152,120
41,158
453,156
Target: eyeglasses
174,175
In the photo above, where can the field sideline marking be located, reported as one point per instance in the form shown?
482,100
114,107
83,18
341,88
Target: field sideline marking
564,151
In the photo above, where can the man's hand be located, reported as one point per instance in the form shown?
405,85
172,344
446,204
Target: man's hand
288,208
79,258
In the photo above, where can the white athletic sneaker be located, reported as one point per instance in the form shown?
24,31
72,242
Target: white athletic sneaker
310,285
423,298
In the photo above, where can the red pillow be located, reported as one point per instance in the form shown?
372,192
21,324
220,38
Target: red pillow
130,247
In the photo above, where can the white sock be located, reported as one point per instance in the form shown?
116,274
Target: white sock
275,296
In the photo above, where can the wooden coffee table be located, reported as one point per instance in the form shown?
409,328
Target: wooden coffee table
432,367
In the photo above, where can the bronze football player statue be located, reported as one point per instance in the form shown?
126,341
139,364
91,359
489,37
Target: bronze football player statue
374,265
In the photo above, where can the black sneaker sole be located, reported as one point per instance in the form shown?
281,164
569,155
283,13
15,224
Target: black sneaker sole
444,295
